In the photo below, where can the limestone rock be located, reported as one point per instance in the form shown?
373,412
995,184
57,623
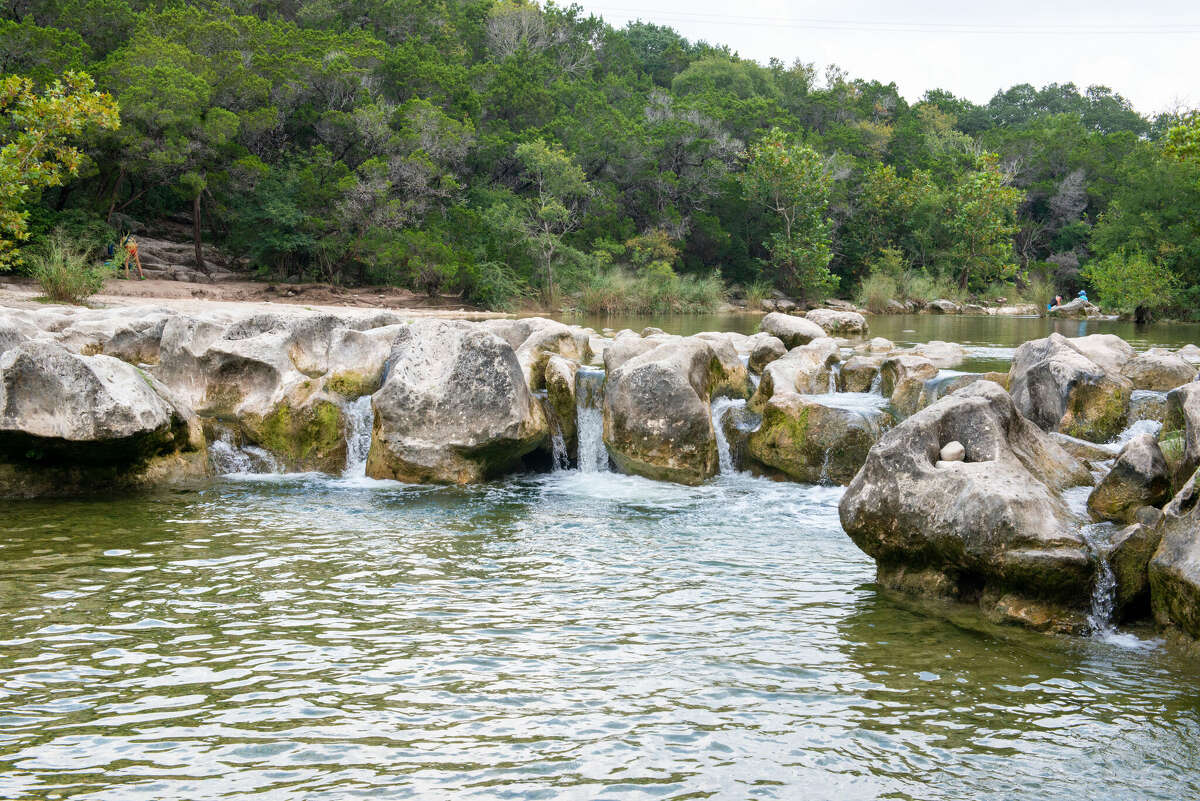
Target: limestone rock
792,331
944,307
1174,571
1138,478
657,421
953,451
807,369
813,442
454,407
833,321
1158,370
858,374
991,529
1060,389
1078,309
560,391
1129,557
766,350
944,355
896,369
1180,435
1107,350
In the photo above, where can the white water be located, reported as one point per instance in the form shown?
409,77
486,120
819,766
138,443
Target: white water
1138,427
721,407
865,402
876,383
230,459
589,421
360,419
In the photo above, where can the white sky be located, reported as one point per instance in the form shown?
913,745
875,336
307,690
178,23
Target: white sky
1148,51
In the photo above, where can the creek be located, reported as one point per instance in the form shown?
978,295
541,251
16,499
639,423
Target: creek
571,634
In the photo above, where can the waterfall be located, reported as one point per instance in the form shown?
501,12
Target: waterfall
876,382
721,407
228,457
835,370
360,420
1104,593
589,420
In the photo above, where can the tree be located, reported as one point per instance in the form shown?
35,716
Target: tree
1182,141
1130,282
981,222
790,181
561,189
38,134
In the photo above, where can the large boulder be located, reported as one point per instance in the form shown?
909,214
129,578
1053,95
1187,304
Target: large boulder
536,339
1129,555
943,306
814,442
454,407
834,321
1107,350
71,423
1159,370
791,331
1139,477
858,374
1078,309
991,529
560,392
1174,572
1060,389
912,394
944,355
657,421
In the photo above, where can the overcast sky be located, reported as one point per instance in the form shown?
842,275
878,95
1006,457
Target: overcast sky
1148,51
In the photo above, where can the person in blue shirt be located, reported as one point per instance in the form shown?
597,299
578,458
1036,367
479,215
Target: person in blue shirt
1083,294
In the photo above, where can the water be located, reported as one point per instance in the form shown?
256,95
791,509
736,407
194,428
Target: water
589,420
360,420
720,407
568,635
1104,592
229,458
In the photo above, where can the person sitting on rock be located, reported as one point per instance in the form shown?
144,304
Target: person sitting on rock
1083,295
130,246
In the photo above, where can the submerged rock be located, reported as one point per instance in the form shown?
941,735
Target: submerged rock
1139,477
991,529
813,442
657,421
454,408
1060,389
791,331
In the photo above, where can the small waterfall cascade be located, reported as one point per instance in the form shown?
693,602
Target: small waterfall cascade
720,408
558,445
1104,591
589,420
835,371
360,420
876,383
228,457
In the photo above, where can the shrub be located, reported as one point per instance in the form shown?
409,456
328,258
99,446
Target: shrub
64,271
618,292
1125,282
876,290
757,292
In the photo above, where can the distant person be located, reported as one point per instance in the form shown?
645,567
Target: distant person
1058,300
130,246
1083,296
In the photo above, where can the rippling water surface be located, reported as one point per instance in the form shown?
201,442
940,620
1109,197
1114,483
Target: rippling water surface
560,636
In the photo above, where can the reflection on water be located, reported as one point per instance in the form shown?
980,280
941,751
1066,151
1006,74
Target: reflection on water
560,636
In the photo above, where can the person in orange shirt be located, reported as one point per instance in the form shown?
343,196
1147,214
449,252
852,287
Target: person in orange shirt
131,252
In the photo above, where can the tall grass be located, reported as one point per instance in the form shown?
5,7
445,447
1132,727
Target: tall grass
756,293
64,271
618,292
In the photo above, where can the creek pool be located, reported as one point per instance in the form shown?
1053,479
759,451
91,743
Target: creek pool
563,635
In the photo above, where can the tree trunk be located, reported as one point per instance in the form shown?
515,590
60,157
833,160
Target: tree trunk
200,265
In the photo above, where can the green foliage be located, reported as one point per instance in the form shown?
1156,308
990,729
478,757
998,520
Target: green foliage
38,132
503,150
1125,282
64,271
619,292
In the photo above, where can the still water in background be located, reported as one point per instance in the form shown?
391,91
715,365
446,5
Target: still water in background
562,636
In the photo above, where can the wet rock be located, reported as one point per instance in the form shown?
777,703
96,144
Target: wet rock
1129,557
858,374
560,391
812,442
991,529
1082,449
1147,405
807,369
454,408
657,421
1174,571
1158,370
1060,389
833,321
896,369
73,424
766,349
791,331
1138,477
